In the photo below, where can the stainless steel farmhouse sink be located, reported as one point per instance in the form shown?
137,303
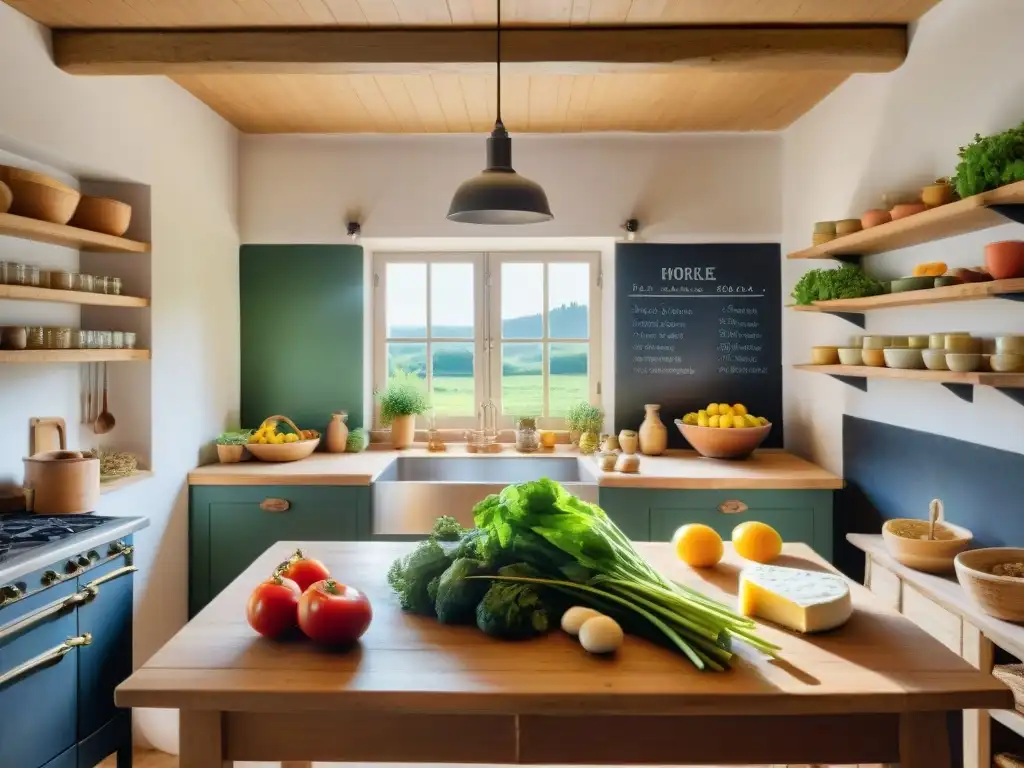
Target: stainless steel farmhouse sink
411,493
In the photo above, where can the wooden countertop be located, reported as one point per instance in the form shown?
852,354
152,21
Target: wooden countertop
879,662
676,470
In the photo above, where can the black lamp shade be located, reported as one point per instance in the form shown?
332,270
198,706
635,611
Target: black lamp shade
499,195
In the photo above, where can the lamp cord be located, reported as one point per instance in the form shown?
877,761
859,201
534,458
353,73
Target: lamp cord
498,58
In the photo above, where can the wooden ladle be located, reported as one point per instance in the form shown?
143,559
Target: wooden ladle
934,513
105,421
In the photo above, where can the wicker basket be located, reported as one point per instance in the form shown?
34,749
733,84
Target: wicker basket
1013,677
284,451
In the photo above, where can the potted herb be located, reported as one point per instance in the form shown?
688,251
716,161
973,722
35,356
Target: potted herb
990,162
231,446
401,402
585,421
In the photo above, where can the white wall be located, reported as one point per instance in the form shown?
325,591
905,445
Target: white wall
889,133
149,131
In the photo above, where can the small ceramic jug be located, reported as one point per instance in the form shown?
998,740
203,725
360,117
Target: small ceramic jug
628,441
609,444
337,433
653,434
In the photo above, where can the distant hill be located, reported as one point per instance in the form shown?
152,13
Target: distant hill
567,322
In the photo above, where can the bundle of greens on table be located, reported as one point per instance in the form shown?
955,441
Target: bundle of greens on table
537,550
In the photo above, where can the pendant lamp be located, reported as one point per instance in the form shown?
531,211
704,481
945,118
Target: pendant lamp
499,195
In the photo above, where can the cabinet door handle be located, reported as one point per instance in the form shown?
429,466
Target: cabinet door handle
45,658
57,606
94,585
732,507
275,505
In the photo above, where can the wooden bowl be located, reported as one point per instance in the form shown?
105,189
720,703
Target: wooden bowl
42,201
284,451
232,454
824,355
6,198
717,443
874,358
10,173
101,214
999,596
902,538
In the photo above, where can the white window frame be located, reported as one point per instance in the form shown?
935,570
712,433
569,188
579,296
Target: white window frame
487,339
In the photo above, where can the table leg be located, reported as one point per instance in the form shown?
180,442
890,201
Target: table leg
201,740
924,740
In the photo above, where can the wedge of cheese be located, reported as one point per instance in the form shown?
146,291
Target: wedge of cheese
804,601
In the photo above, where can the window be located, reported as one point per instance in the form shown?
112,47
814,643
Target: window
522,329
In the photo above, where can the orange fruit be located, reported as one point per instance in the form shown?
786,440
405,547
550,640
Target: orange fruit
698,545
756,541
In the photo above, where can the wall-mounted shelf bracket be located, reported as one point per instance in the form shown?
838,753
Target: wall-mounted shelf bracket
1017,395
847,258
964,391
1012,211
857,318
1011,296
856,382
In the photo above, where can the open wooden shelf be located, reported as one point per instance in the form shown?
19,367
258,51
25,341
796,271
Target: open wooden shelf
969,215
72,355
62,234
109,486
30,293
977,378
949,293
1011,718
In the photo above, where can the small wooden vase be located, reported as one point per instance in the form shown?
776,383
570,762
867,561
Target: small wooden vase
403,432
653,434
337,433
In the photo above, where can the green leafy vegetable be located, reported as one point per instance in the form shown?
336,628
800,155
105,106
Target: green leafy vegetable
846,282
358,440
990,162
238,437
512,612
584,417
447,528
410,576
405,395
456,596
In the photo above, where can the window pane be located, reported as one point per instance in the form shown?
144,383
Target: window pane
521,380
406,301
452,303
568,300
411,358
452,379
568,366
522,301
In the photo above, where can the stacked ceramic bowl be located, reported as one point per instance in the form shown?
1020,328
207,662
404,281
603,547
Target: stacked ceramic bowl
905,352
1009,356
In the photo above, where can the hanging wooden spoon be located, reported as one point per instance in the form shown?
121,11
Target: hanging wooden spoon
105,421
934,513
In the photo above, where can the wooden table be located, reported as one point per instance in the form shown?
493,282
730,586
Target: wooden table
875,691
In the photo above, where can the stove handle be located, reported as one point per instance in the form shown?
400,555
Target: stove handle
57,606
93,587
44,659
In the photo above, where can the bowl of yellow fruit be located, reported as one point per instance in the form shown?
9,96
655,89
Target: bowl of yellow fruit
723,431
267,444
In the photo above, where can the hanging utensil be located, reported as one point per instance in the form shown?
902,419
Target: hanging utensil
934,513
87,394
105,421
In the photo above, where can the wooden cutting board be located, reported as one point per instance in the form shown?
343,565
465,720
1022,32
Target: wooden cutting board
47,434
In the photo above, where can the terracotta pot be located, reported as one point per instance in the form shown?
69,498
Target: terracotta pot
874,217
628,441
1005,260
653,433
337,433
403,432
903,210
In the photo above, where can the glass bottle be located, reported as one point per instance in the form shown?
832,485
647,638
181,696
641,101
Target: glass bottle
527,440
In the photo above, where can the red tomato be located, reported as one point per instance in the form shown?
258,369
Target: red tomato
303,570
273,607
333,613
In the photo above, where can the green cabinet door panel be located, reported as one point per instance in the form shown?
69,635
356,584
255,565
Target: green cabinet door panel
301,333
229,529
798,516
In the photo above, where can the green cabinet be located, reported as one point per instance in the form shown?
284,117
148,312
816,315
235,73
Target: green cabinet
230,526
798,516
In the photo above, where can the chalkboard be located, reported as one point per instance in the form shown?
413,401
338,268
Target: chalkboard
696,324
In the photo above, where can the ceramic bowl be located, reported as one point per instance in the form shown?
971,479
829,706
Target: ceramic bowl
857,341
820,238
874,357
999,596
918,342
963,362
907,359
908,543
903,210
1006,362
945,280
901,342
6,198
937,341
874,217
1013,345
911,284
961,343
1003,260
848,226
851,356
934,359
824,355
877,342
824,227
724,443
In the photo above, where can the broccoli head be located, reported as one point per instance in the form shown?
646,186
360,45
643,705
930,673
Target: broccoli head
457,596
447,528
472,545
512,611
410,576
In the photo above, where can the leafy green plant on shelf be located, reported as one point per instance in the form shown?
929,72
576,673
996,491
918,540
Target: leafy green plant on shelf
236,437
405,395
990,162
846,282
585,421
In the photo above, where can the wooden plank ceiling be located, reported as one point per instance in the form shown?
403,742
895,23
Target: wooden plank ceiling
708,96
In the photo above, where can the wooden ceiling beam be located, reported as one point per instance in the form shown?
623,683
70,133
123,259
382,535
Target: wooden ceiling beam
572,51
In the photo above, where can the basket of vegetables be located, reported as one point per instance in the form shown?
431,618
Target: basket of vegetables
231,446
268,444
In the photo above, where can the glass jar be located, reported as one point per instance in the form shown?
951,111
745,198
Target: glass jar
79,339
44,278
129,340
90,339
84,282
22,274
526,436
112,285
57,337
3,273
117,339
62,281
35,337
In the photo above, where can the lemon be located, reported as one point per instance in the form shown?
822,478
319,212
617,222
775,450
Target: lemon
261,440
703,419
713,421
725,422
740,409
698,545
756,541
724,408
712,409
291,438
751,421
690,419
762,421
